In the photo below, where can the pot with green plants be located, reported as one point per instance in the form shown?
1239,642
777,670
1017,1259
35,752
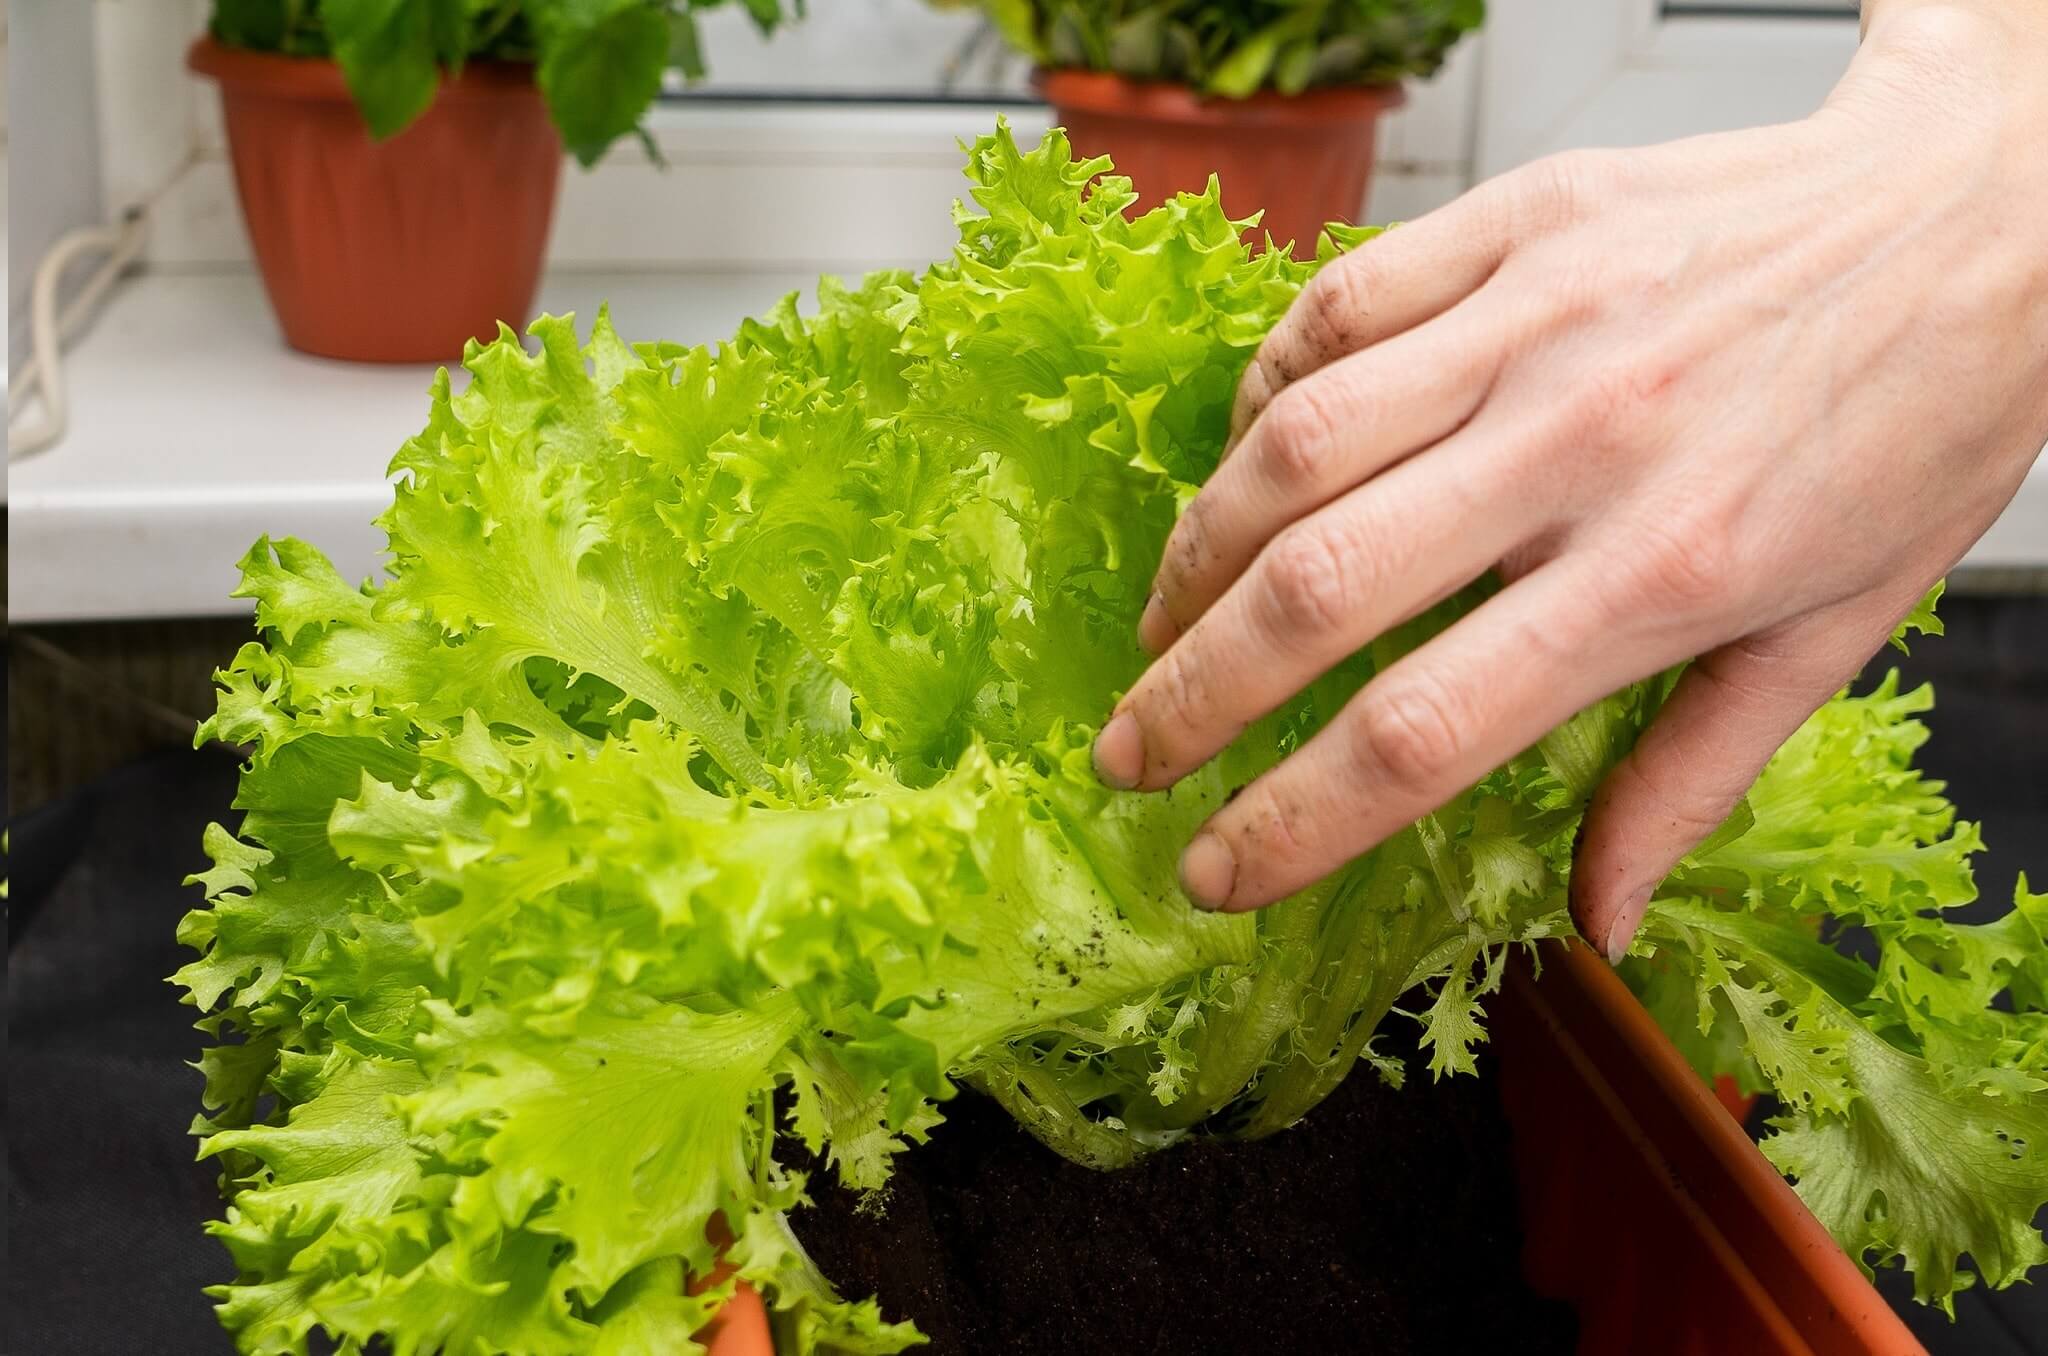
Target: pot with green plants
1281,99
397,159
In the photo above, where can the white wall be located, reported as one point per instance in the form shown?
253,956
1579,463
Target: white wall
52,141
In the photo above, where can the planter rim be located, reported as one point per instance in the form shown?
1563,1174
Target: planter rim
1106,93
1608,999
319,79
1624,1058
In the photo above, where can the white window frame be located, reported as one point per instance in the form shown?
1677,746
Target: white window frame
1620,73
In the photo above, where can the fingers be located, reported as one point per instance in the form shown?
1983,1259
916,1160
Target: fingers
1727,716
1323,589
1422,731
1388,285
1326,434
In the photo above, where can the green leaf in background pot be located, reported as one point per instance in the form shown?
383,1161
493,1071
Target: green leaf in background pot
602,67
1338,59
260,25
1246,68
1017,21
386,51
1180,55
1074,40
599,62
1296,66
1234,50
454,32
685,45
1137,45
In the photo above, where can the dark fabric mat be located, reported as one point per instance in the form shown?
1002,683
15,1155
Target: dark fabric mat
105,1252
104,1200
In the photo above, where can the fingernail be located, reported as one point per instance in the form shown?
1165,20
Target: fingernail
1156,630
1208,871
1120,752
1626,920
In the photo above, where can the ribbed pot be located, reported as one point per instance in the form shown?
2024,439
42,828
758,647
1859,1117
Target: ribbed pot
1302,159
393,251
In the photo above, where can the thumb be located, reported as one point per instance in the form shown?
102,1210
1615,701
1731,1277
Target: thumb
1728,714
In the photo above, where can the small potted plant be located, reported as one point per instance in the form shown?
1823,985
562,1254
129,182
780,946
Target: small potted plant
397,161
1278,98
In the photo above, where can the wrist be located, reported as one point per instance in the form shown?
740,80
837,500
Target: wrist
1944,104
1954,68
2024,19
1963,35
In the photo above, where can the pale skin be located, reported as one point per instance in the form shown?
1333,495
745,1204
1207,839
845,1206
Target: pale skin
1743,397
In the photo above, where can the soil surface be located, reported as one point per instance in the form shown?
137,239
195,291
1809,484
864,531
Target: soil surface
1384,1222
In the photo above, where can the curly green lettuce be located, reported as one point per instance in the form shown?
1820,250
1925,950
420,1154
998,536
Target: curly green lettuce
710,772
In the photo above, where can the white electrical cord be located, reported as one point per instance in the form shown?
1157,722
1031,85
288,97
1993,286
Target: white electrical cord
49,330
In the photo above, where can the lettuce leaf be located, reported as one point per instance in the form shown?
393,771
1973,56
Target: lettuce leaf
1915,1087
712,768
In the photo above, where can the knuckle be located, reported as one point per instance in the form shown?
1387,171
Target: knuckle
1255,391
1186,545
1682,806
1336,301
1564,188
1178,696
1273,823
1606,403
1268,374
1412,735
1687,564
1307,583
1296,437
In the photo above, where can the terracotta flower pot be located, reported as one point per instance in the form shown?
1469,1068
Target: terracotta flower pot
1304,159
392,251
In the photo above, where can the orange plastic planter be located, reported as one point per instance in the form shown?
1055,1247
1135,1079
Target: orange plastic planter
1305,158
1733,1099
741,1327
1643,1203
391,251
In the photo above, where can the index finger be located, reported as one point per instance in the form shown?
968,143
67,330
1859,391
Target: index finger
1388,285
1432,724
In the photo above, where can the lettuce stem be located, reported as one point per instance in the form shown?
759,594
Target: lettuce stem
1036,1101
1234,1044
1365,951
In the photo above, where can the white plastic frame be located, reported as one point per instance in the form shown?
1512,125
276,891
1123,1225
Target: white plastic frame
1621,73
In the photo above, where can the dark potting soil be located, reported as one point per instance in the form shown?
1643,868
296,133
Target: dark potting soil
1385,1222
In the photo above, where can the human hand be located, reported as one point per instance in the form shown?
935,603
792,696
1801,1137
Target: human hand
1743,397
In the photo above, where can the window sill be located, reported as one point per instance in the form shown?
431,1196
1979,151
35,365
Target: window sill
194,431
